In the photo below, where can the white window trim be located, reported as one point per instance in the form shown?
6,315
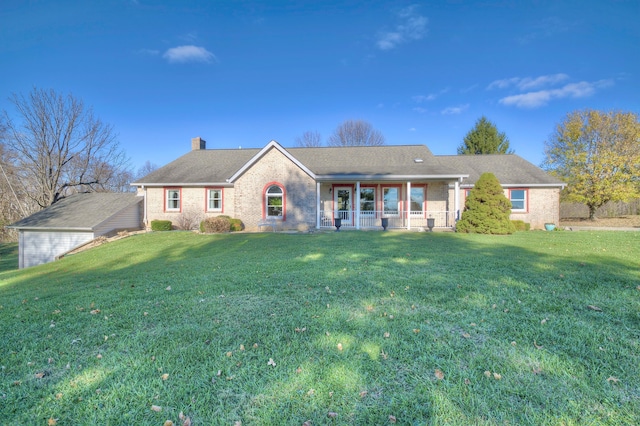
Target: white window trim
524,200
209,199
167,191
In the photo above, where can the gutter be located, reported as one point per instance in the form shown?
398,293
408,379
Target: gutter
373,177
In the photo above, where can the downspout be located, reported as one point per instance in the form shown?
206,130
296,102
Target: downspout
317,205
456,199
144,206
358,205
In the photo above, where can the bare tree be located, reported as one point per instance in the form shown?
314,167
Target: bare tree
61,147
146,168
356,133
309,139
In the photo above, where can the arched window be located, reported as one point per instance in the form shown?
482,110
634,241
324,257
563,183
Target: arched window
274,201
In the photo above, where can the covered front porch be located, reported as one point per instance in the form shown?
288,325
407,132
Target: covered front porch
420,204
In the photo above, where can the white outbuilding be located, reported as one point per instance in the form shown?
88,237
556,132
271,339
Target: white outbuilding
73,222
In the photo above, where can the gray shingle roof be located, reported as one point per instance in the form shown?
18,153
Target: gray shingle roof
510,169
216,166
79,211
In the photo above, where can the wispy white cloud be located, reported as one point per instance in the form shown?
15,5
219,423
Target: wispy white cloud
543,97
412,26
423,98
529,83
455,110
188,53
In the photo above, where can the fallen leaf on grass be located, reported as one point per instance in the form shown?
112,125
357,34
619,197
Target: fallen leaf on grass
386,335
497,376
52,421
168,288
40,375
156,408
392,419
439,374
242,347
613,379
537,346
332,415
94,311
307,423
363,394
339,346
544,321
165,376
186,421
271,362
594,308
168,423
466,335
229,354
487,373
301,330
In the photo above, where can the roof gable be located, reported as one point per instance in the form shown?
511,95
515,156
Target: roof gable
262,152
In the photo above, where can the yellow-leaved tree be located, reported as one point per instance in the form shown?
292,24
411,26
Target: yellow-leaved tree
598,155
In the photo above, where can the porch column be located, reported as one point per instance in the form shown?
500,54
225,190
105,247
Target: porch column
407,204
456,200
317,205
358,205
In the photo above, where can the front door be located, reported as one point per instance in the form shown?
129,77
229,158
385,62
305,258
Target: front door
342,201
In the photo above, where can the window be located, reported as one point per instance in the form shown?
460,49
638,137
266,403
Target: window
172,200
214,200
367,200
518,199
274,201
390,198
416,204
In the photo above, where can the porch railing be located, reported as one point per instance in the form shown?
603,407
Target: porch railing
396,220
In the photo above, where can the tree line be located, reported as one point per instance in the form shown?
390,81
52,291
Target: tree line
54,146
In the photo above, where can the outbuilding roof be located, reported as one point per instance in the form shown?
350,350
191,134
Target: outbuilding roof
79,211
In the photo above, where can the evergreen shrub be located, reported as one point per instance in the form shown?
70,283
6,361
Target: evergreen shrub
487,209
161,225
521,225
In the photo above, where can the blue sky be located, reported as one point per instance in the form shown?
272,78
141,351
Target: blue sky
242,73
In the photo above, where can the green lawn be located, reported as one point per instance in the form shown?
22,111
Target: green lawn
374,327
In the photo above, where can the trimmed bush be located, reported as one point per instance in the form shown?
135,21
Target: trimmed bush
213,225
236,225
521,225
161,225
486,210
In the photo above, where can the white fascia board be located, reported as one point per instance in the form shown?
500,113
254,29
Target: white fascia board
48,229
523,185
329,178
263,151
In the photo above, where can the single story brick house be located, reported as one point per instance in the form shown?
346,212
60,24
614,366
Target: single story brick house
74,221
308,188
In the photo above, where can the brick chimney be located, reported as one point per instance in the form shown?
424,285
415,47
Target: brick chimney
198,143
